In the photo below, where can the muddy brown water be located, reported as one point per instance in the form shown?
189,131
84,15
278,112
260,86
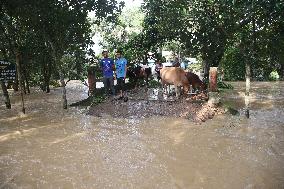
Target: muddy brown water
52,148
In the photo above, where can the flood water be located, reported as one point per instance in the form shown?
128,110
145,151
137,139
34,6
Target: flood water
54,148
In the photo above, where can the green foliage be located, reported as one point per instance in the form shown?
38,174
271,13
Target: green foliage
195,67
217,30
233,65
53,37
154,84
223,85
119,35
274,76
98,98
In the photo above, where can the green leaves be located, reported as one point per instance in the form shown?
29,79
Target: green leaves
47,32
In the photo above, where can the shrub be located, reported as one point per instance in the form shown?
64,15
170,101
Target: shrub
274,76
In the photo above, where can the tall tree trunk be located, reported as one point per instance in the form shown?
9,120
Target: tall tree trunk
91,81
23,84
21,73
18,60
16,82
6,95
247,95
46,70
63,85
145,58
206,68
48,76
248,65
26,78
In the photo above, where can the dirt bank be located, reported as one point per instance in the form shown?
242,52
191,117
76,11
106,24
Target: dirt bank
139,106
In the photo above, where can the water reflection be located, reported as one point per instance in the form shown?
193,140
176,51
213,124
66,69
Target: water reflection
51,148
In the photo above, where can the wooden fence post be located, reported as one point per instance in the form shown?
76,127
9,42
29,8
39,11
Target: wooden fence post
213,79
214,98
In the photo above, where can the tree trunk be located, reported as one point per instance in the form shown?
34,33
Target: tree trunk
18,60
46,70
26,78
22,83
63,85
248,65
206,68
16,82
91,80
145,58
48,76
6,95
247,95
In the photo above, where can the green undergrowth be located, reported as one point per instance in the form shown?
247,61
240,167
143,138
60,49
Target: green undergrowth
154,84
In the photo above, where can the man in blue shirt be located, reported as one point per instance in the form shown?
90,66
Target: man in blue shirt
107,66
121,69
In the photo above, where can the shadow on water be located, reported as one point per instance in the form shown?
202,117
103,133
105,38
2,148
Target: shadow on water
51,148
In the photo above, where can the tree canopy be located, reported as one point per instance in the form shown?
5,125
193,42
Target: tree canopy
209,28
52,40
43,33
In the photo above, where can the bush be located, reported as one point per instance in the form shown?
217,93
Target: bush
55,83
274,76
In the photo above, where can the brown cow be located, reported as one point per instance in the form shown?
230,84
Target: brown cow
195,82
174,76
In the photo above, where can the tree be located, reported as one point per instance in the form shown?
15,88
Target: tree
57,28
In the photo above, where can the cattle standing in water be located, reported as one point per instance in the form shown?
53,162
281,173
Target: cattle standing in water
195,82
139,72
174,76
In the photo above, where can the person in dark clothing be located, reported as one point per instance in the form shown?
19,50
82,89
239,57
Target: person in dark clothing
107,66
